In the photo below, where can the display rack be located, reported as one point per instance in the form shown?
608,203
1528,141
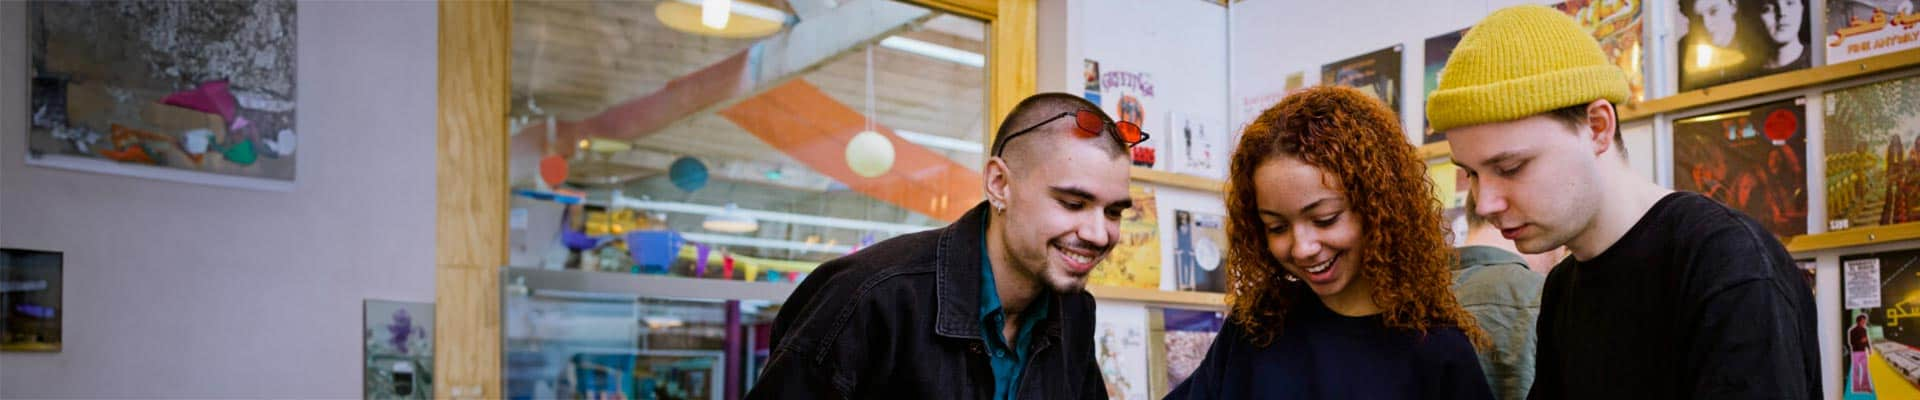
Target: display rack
1178,180
1159,297
1771,84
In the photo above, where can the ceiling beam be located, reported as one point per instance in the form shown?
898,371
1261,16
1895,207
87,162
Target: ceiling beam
821,38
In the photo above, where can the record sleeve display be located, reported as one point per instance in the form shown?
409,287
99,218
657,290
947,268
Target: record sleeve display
1120,341
1199,249
1751,159
1880,340
1873,154
1135,261
1723,41
1616,24
1859,29
1376,73
1438,48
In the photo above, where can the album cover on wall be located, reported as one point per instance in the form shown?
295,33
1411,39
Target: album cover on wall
1873,154
1859,29
1195,148
1438,48
1376,73
1199,245
1092,87
1450,188
1187,336
1880,347
1128,96
31,295
1724,41
1120,341
1616,24
1751,159
399,349
1135,260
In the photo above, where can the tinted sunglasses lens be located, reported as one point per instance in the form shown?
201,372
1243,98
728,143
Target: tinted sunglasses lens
1088,121
1129,132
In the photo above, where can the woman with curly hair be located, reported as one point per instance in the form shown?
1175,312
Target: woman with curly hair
1338,268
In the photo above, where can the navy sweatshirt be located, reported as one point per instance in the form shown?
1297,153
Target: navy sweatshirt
1323,355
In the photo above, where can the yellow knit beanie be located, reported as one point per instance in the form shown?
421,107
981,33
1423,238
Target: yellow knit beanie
1522,61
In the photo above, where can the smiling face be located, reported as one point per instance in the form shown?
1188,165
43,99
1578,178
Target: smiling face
1064,196
1531,178
1309,227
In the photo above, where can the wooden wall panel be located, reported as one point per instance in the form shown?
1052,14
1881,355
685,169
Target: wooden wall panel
471,206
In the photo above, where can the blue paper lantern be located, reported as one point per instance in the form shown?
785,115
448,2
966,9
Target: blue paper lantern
688,173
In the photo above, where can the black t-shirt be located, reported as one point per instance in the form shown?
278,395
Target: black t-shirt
1696,301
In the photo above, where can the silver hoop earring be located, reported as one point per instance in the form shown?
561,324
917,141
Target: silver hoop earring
1289,277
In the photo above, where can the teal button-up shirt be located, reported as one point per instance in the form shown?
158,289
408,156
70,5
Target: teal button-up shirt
1007,360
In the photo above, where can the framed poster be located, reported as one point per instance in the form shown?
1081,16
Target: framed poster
1724,41
30,294
197,92
1859,29
1376,73
399,349
1751,159
1438,48
1881,345
1873,154
1135,261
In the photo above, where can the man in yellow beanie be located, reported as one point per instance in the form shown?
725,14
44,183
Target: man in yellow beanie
1668,294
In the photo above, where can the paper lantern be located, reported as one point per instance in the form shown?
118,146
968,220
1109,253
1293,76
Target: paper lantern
870,154
688,173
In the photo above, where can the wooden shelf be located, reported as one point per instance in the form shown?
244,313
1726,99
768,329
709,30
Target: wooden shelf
1854,237
1159,297
1178,180
1771,84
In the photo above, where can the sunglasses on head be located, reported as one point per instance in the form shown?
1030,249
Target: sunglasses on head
1090,124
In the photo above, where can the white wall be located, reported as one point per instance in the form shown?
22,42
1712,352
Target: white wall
1274,38
178,290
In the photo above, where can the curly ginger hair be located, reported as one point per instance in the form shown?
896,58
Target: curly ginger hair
1358,141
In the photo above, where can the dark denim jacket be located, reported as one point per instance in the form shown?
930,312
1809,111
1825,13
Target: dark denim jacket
901,320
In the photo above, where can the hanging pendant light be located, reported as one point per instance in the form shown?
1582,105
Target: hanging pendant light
869,154
733,19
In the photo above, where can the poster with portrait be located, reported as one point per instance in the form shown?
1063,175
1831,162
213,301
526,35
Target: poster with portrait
399,349
1128,96
1723,41
1751,159
1880,342
1617,25
194,92
1120,347
1376,73
1438,48
1199,252
1135,260
1873,154
1859,29
1187,335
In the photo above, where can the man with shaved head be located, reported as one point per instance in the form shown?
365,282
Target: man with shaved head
993,305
